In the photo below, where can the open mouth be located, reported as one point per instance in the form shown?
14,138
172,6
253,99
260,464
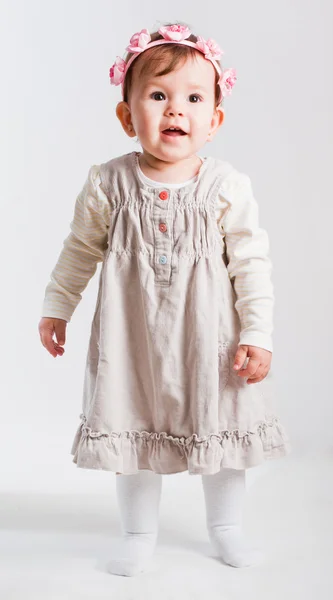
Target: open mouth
174,131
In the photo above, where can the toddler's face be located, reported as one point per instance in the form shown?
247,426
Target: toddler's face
184,99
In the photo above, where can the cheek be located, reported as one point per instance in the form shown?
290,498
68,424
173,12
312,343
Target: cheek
203,121
202,126
150,122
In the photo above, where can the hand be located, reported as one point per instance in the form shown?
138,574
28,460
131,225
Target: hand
47,327
259,362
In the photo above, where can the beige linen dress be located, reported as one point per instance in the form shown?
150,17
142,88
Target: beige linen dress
159,390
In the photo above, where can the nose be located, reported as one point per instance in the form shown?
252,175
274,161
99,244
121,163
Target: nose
174,108
171,112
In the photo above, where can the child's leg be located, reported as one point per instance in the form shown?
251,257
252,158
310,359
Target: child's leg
138,500
224,497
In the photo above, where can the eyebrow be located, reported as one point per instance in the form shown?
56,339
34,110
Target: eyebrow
196,86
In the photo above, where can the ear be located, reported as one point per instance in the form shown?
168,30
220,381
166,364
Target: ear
123,113
217,121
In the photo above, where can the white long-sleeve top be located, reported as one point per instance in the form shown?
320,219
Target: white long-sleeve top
247,248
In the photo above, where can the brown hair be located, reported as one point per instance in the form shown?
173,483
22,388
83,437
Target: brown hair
161,60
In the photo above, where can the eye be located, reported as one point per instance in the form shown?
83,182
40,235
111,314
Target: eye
158,96
196,98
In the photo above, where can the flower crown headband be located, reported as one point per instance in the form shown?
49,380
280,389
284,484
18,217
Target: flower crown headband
173,34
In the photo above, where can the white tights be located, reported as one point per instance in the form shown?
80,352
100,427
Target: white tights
224,498
139,498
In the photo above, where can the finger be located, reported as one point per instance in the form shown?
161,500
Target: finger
240,357
251,368
59,349
46,336
48,342
259,372
256,380
60,332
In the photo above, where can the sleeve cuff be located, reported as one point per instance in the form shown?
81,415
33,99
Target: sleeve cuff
56,313
259,339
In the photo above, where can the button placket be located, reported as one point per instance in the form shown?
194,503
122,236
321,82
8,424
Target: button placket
163,242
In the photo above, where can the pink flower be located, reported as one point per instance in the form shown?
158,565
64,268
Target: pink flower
209,47
227,81
175,33
117,71
139,41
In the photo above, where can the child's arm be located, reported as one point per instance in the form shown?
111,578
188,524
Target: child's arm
249,267
83,248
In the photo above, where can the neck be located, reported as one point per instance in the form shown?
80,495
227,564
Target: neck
168,172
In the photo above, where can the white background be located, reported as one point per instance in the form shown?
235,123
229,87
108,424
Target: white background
59,119
57,112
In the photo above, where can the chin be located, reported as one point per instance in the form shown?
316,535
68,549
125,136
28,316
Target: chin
176,153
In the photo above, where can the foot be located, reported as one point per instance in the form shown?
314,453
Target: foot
133,554
233,549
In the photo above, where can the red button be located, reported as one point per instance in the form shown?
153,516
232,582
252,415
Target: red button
163,227
164,195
